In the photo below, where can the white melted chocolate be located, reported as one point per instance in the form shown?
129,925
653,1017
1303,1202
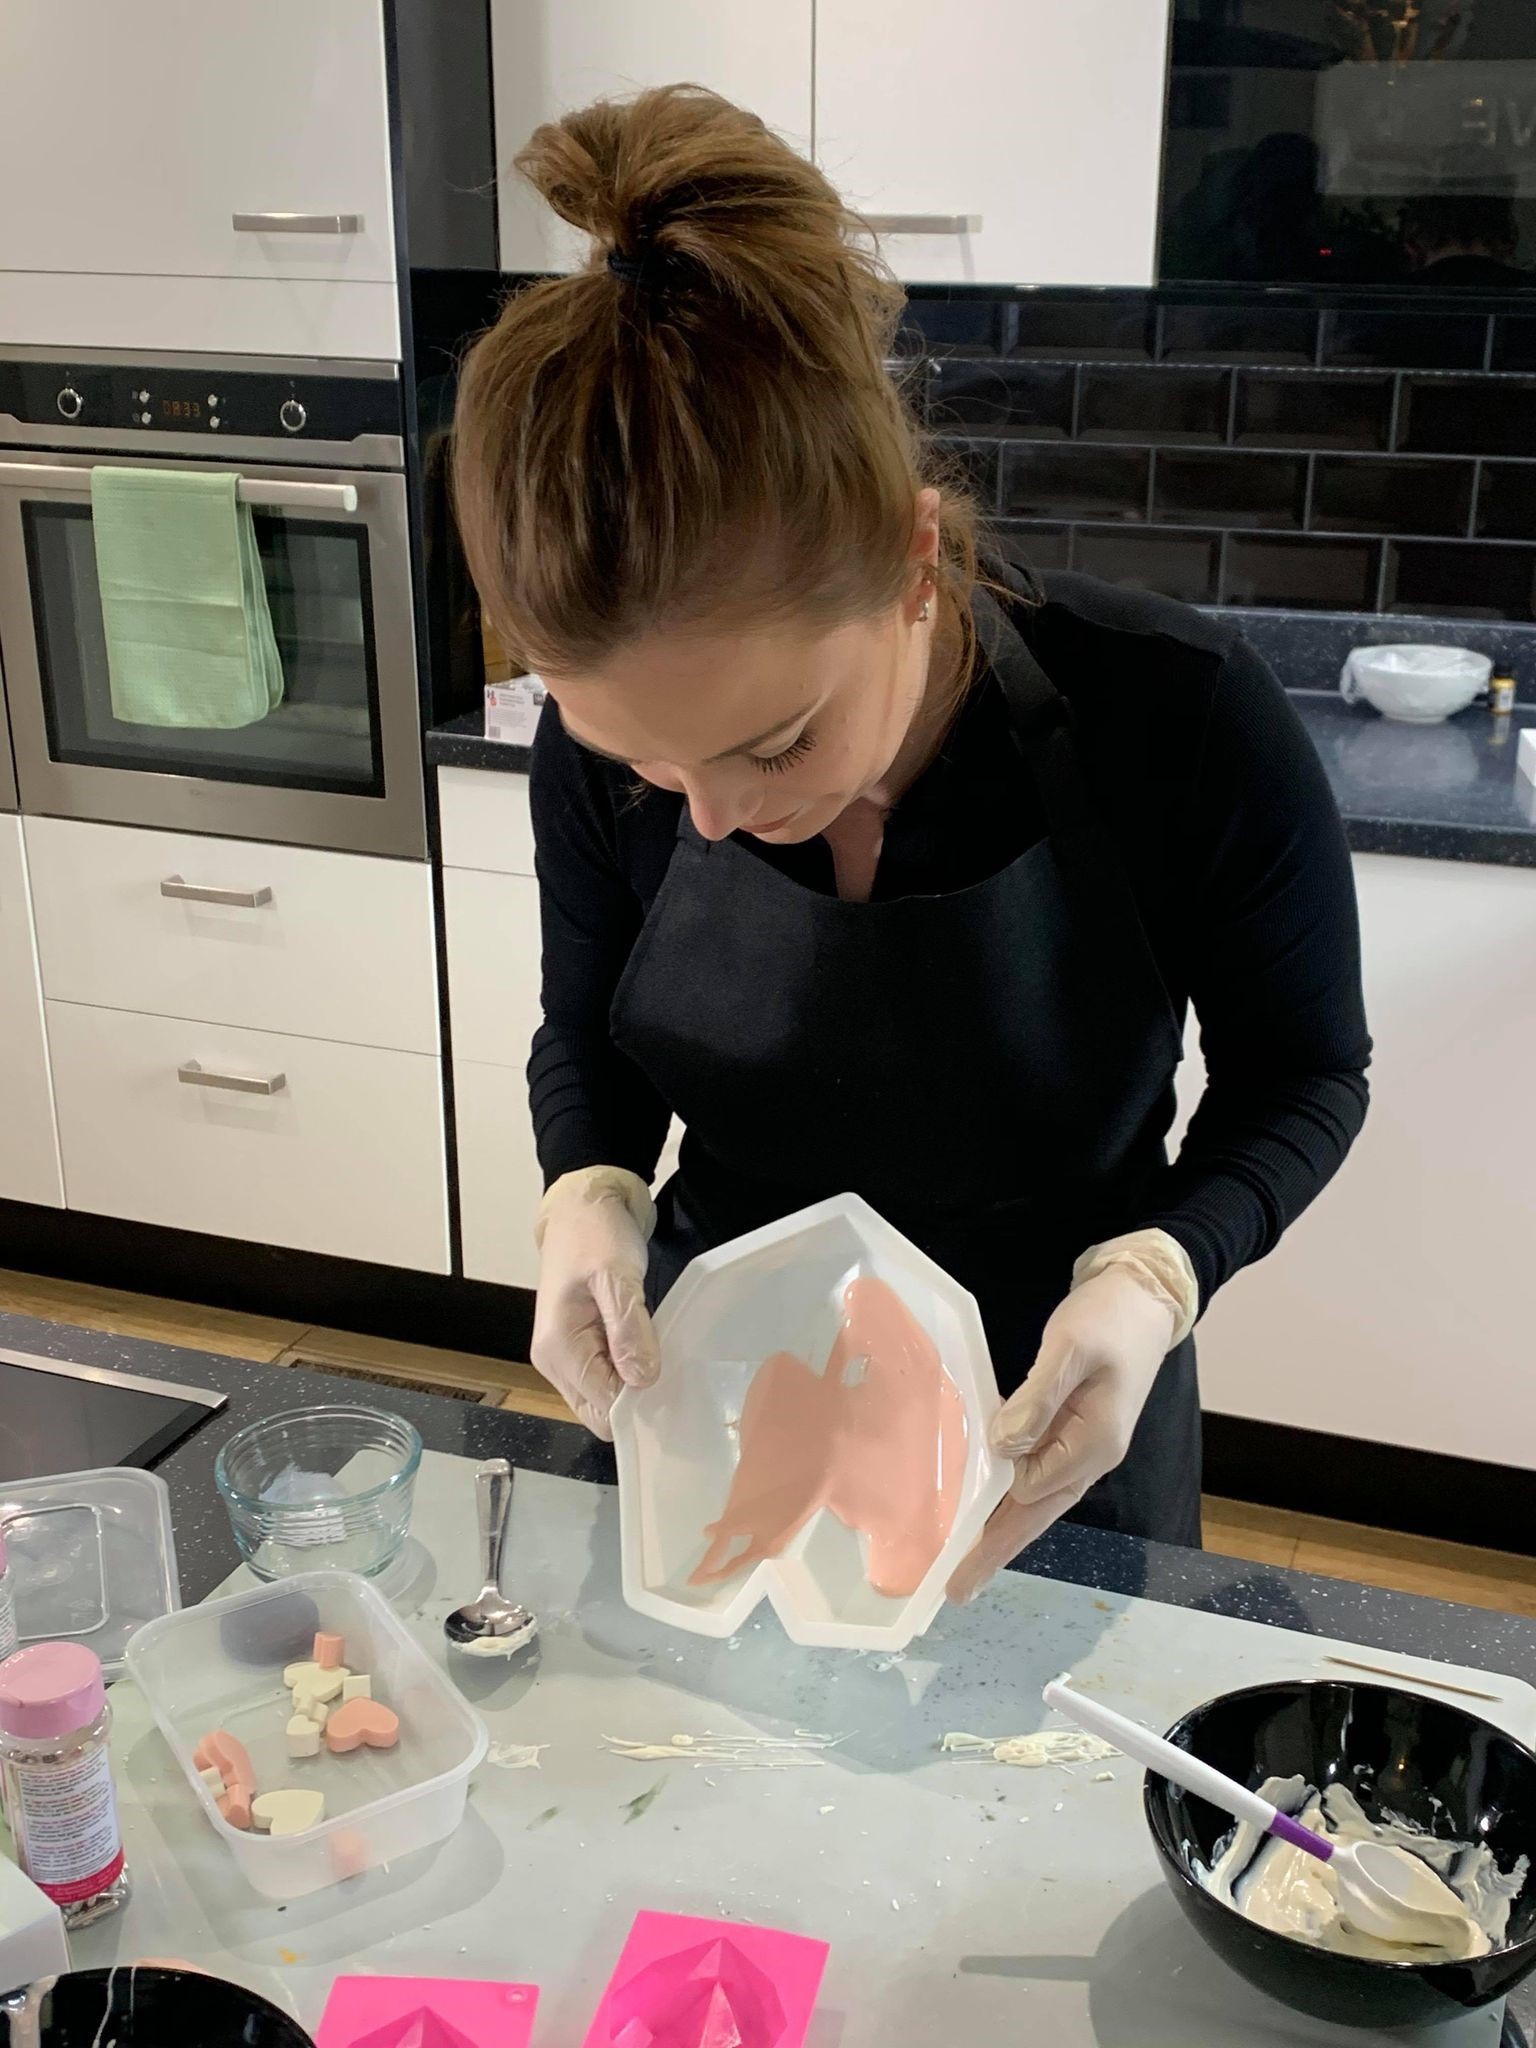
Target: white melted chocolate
1286,1890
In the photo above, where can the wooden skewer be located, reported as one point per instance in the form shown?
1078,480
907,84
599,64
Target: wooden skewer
1464,1692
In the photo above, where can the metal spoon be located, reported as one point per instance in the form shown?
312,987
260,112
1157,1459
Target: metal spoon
1388,1891
493,1625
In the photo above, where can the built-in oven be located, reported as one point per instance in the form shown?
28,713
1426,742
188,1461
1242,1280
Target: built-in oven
7,768
318,449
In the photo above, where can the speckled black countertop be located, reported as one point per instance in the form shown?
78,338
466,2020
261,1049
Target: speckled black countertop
1115,1564
1441,792
1436,792
461,743
1118,1564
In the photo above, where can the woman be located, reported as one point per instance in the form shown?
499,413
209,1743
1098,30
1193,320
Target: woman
877,874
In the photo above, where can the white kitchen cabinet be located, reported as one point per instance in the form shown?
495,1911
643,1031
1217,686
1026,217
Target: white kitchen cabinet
491,922
499,1180
486,822
326,945
1399,1309
328,1148
1041,118
139,134
550,56
29,1143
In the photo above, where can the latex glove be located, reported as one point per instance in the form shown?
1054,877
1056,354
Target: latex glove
592,1333
1072,1420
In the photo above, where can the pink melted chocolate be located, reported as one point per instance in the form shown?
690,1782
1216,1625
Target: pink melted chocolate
879,1438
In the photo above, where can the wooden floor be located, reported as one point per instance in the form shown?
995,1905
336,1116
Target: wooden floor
1341,1550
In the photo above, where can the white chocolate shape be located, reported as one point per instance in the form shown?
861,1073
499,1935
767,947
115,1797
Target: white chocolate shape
358,1687
303,1737
288,1812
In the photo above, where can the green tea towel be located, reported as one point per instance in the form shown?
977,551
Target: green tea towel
183,599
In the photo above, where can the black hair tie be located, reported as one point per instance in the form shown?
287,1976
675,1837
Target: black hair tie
633,270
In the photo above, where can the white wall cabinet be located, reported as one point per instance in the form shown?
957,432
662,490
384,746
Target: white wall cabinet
29,1144
1399,1308
553,55
1043,119
139,133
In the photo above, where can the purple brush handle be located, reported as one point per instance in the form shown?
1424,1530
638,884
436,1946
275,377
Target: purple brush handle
1284,1829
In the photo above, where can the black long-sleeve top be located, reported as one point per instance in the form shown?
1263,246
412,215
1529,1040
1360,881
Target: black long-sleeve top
1210,787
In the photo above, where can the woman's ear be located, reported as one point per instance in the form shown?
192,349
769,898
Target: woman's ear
926,506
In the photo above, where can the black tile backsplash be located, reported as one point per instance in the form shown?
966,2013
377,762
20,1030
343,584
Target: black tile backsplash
1471,582
1180,565
1506,502
1468,416
1514,344
1302,574
1111,328
1239,334
1041,481
1037,545
1354,494
1397,341
1200,489
1301,411
1154,405
1269,450
1033,399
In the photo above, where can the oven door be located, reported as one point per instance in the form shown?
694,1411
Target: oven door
336,763
7,772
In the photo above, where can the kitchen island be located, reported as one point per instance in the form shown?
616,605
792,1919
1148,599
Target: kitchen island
1116,1568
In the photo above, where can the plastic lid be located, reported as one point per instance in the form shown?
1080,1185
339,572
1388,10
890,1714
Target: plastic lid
92,1557
51,1689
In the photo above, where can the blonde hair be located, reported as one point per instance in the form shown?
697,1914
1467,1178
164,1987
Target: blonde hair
702,423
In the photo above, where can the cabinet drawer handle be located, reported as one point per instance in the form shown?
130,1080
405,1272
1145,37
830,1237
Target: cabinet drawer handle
195,1075
208,892
923,223
298,223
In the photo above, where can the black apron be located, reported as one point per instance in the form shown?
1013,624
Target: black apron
812,1045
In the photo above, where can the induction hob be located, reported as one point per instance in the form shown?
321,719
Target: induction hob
57,1417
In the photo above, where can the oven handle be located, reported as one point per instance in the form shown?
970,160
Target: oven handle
282,497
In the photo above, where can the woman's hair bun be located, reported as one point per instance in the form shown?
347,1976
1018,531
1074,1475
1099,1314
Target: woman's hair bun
705,196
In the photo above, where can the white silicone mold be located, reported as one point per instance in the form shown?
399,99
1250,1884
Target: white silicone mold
782,1289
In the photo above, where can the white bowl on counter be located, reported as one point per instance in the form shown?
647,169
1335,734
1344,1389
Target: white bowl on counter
1418,685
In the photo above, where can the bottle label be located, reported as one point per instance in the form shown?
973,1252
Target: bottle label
68,1840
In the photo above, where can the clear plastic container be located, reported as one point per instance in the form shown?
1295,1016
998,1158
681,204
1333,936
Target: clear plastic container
328,1486
92,1558
679,1444
221,1666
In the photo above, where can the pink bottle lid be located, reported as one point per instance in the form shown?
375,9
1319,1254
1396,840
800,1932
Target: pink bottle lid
50,1689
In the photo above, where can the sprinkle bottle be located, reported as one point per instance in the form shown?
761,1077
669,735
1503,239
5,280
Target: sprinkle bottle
56,1777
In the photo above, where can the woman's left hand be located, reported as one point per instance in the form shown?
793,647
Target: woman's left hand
1072,1420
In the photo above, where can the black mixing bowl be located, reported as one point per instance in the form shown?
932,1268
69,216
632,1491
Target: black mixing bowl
1420,1759
144,2006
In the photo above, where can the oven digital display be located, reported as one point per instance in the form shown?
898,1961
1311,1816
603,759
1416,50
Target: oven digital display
180,409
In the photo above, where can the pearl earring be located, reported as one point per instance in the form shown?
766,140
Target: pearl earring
923,611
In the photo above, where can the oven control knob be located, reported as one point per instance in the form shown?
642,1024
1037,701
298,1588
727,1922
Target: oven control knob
292,415
70,403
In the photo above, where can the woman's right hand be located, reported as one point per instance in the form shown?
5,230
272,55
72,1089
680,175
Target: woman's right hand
592,1333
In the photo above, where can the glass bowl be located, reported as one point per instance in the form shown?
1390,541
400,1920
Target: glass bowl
320,1489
